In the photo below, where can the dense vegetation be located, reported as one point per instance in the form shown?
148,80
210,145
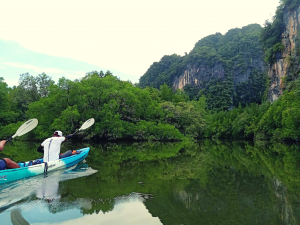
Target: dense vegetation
278,121
291,4
124,111
270,36
238,52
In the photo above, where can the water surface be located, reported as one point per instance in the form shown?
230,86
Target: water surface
210,182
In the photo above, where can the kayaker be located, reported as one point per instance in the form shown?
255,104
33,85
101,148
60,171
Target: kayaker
51,147
6,163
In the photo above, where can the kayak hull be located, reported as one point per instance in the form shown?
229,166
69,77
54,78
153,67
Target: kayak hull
30,171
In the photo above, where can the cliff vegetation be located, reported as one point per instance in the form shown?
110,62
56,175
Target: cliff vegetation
228,69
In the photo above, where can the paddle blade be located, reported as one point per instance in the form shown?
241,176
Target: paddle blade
26,127
17,218
87,124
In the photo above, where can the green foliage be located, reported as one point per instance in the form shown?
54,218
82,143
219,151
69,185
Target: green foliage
281,121
219,95
29,90
152,131
252,90
278,121
191,91
99,74
7,107
186,117
270,36
291,4
234,53
33,88
167,94
203,55
9,130
168,67
237,123
121,110
67,120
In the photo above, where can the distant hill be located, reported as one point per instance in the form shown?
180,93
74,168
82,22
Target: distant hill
229,69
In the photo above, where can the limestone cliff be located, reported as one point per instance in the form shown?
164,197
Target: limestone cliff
198,75
232,62
281,67
228,69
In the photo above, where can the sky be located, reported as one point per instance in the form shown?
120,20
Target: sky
16,60
125,36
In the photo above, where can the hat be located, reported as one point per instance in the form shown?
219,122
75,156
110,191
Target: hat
58,133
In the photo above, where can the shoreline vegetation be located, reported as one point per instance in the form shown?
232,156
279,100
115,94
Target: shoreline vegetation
124,111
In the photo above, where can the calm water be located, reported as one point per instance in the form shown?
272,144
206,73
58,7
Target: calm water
160,183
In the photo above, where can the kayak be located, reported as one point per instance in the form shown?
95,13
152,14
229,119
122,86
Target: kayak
42,168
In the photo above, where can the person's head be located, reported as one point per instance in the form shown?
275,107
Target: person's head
58,133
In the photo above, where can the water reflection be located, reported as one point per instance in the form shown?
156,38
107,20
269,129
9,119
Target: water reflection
130,210
48,189
39,191
127,210
167,183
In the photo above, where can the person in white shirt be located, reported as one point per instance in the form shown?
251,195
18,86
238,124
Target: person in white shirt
51,147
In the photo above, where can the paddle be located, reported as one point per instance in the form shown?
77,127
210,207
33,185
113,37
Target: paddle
25,128
86,125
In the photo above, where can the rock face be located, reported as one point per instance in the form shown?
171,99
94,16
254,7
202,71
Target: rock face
198,75
278,70
201,74
241,75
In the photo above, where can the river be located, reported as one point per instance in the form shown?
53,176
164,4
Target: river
149,183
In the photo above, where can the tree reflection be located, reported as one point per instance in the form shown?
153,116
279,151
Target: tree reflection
212,182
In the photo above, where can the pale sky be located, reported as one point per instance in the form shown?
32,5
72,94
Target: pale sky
123,35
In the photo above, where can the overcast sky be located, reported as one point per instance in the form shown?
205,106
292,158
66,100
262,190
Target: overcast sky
123,35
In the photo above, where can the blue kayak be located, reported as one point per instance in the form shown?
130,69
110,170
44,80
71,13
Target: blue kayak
34,170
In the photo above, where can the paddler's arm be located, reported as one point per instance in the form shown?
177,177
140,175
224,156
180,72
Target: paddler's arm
2,143
40,149
69,136
63,139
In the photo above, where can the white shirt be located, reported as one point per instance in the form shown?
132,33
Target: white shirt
52,148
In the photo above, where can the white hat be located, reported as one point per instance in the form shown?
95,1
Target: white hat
58,133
